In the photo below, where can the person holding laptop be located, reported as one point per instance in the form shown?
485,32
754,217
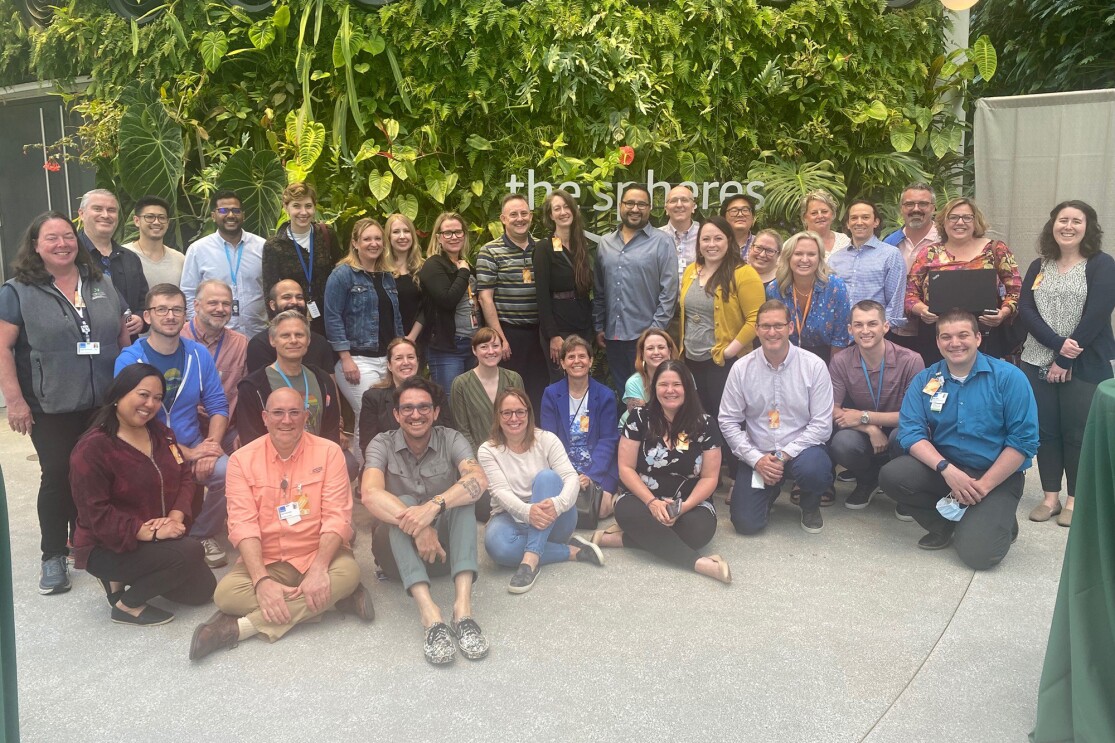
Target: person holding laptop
965,247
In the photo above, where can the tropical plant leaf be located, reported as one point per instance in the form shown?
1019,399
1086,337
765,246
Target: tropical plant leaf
784,183
380,184
902,136
306,136
262,33
408,205
983,55
152,154
435,187
478,143
258,179
281,19
212,46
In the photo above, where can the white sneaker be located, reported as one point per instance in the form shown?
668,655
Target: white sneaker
215,557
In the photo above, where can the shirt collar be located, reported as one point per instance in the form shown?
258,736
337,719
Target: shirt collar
273,453
793,350
399,441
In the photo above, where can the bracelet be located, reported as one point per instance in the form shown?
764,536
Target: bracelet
255,586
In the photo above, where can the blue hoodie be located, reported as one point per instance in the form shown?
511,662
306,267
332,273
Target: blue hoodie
201,385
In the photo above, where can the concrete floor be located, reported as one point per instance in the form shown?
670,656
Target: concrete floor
850,635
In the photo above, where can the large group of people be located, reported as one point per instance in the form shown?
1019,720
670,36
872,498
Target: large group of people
254,387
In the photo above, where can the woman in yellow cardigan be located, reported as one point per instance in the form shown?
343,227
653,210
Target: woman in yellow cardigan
720,298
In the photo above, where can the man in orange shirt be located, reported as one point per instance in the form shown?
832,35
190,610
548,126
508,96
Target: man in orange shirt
289,510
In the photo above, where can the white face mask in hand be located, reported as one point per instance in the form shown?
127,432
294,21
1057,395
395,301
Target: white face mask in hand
950,508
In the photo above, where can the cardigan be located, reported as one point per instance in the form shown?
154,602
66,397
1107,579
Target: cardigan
734,319
603,431
117,488
1093,332
472,409
280,262
443,285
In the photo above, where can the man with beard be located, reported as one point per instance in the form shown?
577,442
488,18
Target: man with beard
233,255
918,231
283,296
100,214
636,283
212,310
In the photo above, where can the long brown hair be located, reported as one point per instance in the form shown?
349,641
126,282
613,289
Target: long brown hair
28,266
497,436
689,419
724,278
577,248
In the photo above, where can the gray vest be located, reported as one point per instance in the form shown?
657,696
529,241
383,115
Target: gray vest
53,378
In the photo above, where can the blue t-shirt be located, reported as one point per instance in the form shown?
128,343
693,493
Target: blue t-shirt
171,367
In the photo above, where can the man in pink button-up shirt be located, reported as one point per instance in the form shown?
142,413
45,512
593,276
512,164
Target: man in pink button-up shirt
289,515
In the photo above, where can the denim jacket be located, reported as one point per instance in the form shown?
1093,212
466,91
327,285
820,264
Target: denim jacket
352,309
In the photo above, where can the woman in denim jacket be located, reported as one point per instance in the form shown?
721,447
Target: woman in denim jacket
362,314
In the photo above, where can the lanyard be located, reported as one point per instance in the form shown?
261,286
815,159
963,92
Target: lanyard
235,272
305,383
78,303
221,342
877,399
308,271
801,316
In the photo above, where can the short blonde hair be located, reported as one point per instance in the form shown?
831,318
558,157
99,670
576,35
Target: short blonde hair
783,275
979,225
818,194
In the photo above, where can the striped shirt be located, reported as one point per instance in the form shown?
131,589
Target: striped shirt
508,270
876,271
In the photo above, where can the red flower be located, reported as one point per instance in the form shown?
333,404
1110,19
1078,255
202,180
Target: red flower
52,166
626,155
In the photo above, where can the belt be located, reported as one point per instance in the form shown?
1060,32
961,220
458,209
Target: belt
563,295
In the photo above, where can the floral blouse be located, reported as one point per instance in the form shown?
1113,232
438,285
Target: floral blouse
666,471
826,323
995,254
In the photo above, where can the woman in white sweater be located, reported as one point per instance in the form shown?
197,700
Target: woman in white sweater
534,493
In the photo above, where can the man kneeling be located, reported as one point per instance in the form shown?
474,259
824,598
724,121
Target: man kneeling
289,510
421,481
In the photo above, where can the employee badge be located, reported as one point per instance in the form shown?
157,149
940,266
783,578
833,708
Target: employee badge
938,401
682,442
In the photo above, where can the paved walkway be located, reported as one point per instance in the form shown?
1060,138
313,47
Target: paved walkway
850,635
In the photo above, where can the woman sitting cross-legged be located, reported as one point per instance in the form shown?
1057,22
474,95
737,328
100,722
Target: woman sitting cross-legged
534,491
582,413
669,463
133,488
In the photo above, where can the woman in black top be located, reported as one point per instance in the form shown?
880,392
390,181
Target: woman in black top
563,278
449,296
406,260
377,408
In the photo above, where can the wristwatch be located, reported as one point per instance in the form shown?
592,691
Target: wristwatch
942,465
864,418
439,501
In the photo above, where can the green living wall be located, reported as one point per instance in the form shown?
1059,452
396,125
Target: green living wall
425,105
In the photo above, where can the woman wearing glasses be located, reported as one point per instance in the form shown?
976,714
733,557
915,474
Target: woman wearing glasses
818,300
818,209
50,375
739,210
534,493
965,247
406,261
562,277
763,256
449,296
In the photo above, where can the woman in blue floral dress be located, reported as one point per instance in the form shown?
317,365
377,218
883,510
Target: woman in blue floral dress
818,300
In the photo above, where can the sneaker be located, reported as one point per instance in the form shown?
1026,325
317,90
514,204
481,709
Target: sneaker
151,616
812,522
901,513
215,557
589,552
933,541
53,576
860,497
523,579
845,476
470,640
438,646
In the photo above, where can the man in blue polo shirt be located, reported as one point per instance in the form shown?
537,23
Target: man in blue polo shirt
970,425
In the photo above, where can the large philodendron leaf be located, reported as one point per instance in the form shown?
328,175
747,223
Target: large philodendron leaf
152,155
258,179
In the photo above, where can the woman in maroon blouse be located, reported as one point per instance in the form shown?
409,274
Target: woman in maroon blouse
133,489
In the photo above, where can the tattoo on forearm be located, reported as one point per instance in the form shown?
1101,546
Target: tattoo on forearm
472,487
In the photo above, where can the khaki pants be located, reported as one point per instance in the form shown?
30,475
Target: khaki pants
236,596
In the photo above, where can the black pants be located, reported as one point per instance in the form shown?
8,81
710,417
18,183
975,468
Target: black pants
710,379
174,568
983,535
528,360
1062,414
677,544
54,436
852,450
621,362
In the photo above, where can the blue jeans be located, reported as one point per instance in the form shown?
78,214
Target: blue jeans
445,366
506,540
811,470
214,510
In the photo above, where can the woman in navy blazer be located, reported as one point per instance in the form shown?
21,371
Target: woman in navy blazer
582,413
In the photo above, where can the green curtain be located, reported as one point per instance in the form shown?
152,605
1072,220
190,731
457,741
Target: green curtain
1076,698
8,688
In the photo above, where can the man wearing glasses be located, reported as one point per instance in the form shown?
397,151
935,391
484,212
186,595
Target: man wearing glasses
784,396
289,510
420,482
739,210
161,265
233,255
191,381
100,215
918,230
636,283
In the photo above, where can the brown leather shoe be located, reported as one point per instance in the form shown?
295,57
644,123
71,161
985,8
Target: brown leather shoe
358,603
221,631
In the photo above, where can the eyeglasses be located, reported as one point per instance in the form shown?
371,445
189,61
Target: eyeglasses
423,408
739,211
509,414
636,204
958,218
916,204
152,218
760,250
452,233
226,210
774,326
283,414
164,311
